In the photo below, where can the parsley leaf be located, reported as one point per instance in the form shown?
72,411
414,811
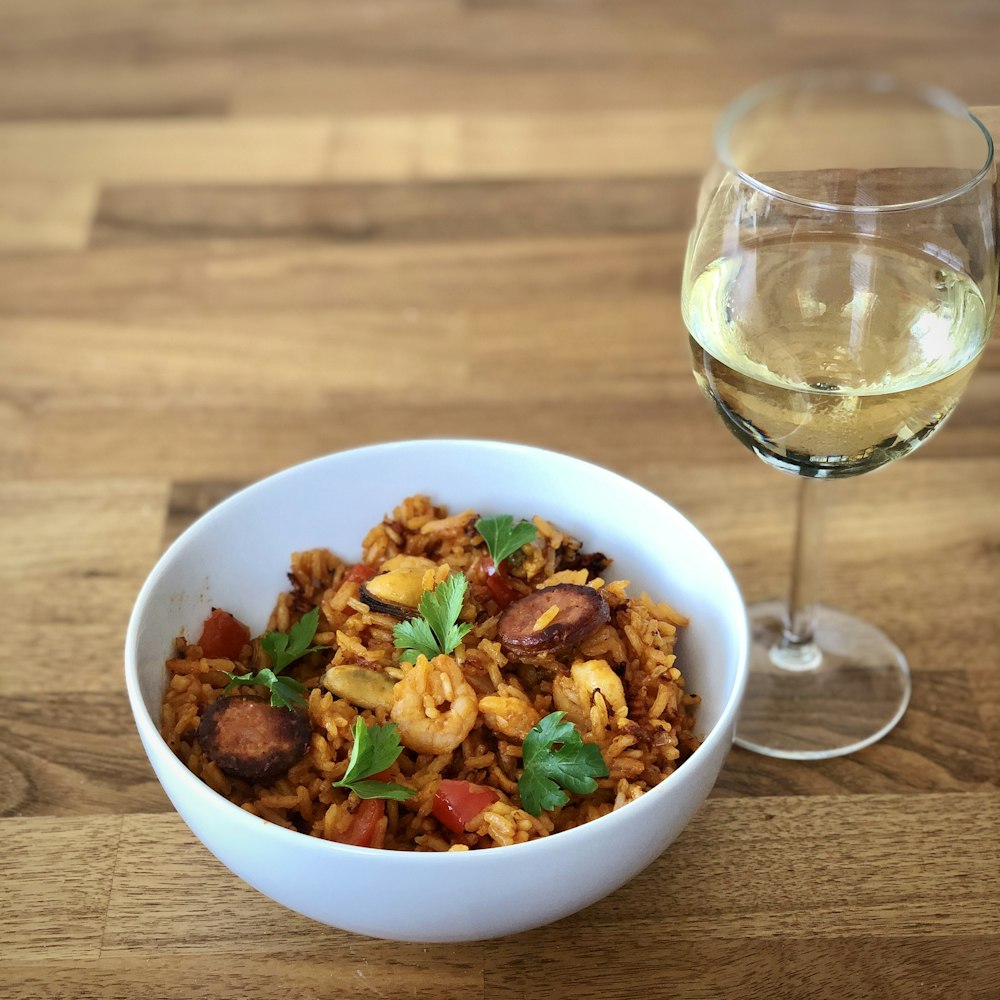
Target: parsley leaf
503,538
286,692
283,649
375,748
436,630
555,755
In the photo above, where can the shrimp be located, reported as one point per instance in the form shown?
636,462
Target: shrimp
434,706
592,676
567,698
576,695
511,717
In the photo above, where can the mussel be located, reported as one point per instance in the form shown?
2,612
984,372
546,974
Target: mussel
361,686
398,587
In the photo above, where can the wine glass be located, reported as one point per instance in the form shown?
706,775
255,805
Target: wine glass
839,287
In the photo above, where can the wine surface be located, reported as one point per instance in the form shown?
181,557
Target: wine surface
833,356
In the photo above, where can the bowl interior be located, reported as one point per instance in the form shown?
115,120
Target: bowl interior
237,555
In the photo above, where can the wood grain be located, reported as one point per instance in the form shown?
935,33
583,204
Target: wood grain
858,886
426,211
46,215
76,552
234,236
56,911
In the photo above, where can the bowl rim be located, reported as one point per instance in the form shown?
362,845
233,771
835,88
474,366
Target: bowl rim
156,746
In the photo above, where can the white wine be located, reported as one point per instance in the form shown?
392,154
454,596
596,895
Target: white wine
830,356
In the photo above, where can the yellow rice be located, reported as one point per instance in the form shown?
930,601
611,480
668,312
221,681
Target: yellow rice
640,748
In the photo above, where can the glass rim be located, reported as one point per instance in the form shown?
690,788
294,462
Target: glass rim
932,95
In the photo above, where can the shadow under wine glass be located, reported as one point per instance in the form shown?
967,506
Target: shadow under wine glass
839,287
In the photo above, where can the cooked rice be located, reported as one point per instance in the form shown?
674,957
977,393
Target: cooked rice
641,748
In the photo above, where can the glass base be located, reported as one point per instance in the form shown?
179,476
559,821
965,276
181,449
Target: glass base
842,692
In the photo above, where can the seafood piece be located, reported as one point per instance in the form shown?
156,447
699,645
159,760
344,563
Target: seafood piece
434,706
360,686
398,588
510,717
591,676
566,698
574,694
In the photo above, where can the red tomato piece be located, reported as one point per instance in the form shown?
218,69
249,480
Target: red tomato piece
223,636
456,803
496,582
363,830
360,572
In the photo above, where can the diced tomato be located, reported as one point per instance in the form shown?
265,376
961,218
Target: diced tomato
223,636
496,582
456,803
363,830
360,572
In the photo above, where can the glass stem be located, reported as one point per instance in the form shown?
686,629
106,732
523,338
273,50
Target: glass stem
797,650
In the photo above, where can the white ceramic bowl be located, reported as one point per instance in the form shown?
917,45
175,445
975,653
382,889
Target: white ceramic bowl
237,555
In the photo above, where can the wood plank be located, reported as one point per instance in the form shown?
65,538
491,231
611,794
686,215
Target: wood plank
929,968
17,432
229,440
164,875
55,885
580,144
986,699
110,58
68,85
83,762
338,970
933,749
74,554
100,422
500,55
247,150
946,566
853,865
416,211
46,216
789,968
115,283
382,148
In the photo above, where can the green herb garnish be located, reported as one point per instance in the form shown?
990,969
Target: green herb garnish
376,747
283,649
286,692
436,630
503,537
555,755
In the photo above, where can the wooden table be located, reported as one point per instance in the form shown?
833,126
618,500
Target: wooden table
234,236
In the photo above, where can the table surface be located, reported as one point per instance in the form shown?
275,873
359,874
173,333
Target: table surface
235,236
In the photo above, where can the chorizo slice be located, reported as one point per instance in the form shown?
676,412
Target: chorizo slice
529,625
250,739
